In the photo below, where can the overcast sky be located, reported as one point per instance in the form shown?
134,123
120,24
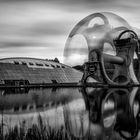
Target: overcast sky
36,28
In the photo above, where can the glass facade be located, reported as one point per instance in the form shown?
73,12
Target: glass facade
18,72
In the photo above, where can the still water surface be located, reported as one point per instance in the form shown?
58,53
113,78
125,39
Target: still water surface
100,113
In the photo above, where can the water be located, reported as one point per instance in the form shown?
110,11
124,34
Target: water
98,113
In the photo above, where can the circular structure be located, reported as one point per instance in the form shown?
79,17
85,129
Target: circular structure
107,40
108,110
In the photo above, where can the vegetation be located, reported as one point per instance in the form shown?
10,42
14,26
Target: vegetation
37,132
41,131
54,60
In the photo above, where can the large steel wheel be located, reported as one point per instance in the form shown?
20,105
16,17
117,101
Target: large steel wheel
115,67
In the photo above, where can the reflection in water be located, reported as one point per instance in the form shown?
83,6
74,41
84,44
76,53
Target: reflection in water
84,113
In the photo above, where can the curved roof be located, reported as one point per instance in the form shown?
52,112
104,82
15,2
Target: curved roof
10,58
27,58
32,62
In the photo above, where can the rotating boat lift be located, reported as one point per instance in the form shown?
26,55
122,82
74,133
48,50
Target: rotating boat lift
107,47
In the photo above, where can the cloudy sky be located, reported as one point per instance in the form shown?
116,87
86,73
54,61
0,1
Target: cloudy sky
39,28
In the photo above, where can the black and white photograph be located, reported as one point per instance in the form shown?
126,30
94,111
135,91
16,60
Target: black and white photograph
69,69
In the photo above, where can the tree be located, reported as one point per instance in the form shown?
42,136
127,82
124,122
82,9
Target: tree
56,60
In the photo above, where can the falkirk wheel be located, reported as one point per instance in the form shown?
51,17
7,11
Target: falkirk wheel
105,46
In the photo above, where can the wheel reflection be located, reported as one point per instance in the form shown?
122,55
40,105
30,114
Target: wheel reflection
114,110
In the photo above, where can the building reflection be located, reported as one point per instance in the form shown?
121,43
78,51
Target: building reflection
98,113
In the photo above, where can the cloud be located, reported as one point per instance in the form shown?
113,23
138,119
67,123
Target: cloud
40,28
16,44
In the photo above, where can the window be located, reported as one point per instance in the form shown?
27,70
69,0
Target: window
31,107
46,65
53,103
30,63
46,105
53,66
63,66
24,107
24,63
39,64
16,108
39,106
54,81
57,66
16,62
54,89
